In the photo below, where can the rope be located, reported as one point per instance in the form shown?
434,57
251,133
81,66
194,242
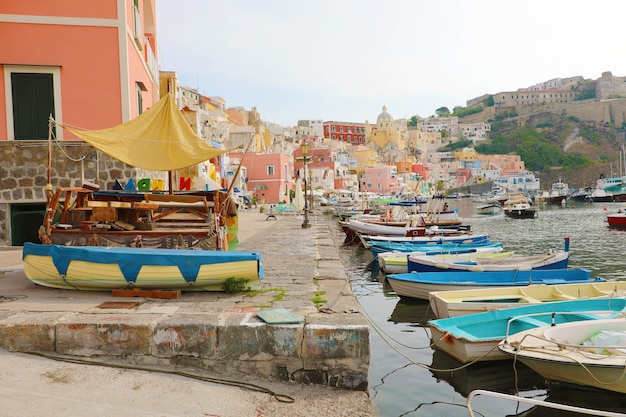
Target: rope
283,398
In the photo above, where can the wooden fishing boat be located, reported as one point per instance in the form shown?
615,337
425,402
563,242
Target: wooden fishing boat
429,238
550,260
108,268
396,262
488,209
590,353
372,227
475,337
462,302
449,248
418,285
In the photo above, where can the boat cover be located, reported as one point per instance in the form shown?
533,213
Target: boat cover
130,260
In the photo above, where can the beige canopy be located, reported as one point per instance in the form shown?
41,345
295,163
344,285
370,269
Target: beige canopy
160,139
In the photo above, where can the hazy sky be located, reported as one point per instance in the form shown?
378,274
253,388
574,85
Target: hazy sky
344,59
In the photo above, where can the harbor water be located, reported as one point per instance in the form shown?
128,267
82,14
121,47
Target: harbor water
409,378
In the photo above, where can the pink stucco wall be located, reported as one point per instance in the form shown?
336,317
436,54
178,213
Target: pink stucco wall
258,177
90,58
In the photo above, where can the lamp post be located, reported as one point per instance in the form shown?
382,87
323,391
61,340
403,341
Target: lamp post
305,150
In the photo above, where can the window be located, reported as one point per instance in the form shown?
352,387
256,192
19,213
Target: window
270,170
33,103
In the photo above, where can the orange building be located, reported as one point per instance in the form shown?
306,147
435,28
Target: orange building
90,64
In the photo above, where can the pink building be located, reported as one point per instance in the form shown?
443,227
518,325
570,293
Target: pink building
90,64
268,176
382,180
422,170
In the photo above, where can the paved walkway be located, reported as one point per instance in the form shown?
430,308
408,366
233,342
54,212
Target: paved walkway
216,332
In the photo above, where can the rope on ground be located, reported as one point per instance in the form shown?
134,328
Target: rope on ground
283,398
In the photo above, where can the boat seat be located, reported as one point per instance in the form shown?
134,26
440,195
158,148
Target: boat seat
193,205
533,321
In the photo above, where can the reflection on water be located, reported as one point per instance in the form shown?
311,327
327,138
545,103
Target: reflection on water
409,378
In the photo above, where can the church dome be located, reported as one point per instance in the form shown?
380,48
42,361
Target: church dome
384,115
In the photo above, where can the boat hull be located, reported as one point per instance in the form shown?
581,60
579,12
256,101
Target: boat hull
521,213
476,337
555,353
463,302
617,221
558,260
397,262
489,209
107,268
419,285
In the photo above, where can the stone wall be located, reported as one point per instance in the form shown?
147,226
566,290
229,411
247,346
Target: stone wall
24,173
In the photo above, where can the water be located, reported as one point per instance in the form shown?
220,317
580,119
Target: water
409,378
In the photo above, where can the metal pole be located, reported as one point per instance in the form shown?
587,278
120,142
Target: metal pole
305,224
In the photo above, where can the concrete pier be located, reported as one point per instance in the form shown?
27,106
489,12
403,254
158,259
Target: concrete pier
217,332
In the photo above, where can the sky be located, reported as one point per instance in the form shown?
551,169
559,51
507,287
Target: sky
343,60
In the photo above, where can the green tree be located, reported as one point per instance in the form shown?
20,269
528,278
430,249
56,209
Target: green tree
412,121
442,111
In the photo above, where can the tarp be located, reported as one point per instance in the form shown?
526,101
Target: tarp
160,139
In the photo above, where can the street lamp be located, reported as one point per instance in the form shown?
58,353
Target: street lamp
305,150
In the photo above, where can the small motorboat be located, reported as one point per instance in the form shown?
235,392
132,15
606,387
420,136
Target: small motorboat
590,353
475,337
418,284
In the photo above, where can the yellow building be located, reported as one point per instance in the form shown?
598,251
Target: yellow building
466,155
386,131
364,156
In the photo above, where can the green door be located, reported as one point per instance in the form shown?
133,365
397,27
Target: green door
25,222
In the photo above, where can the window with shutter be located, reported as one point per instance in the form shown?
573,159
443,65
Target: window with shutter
33,103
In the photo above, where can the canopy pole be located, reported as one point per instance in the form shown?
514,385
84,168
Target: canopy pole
49,183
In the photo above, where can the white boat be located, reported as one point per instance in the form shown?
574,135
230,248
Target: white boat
519,206
550,260
437,236
589,353
558,193
475,337
379,228
470,301
488,209
395,262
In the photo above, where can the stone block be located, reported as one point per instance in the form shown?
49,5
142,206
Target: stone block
25,332
335,342
259,342
102,334
186,335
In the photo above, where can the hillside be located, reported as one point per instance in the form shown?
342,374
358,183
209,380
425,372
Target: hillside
588,136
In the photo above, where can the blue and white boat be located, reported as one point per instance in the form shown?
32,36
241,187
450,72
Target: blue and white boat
475,337
549,260
433,248
418,284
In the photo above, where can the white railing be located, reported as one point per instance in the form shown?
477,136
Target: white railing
151,62
532,401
